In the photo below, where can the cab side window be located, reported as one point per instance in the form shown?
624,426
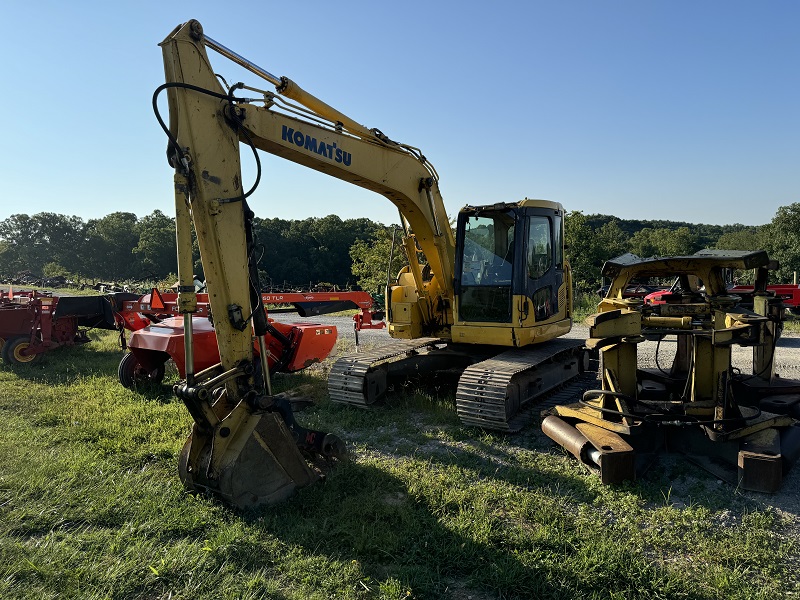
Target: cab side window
558,244
540,252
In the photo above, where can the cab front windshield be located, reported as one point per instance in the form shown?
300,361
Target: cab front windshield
487,267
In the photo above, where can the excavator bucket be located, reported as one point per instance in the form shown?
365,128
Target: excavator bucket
266,466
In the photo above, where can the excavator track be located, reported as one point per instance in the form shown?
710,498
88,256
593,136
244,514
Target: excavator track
494,393
359,378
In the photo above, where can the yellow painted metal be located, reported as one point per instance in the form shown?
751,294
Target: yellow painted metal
523,329
243,454
539,203
18,356
712,360
502,334
214,146
484,333
695,403
187,300
354,153
208,126
291,90
387,170
534,333
764,352
614,325
587,414
667,322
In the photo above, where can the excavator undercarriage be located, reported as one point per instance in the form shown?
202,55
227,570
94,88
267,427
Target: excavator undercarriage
495,390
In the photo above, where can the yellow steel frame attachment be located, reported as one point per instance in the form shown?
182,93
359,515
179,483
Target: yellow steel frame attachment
706,322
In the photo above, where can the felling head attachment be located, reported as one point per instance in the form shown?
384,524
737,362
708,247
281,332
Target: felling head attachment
699,405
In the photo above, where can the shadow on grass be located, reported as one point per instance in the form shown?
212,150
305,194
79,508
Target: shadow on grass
364,515
669,479
394,529
56,365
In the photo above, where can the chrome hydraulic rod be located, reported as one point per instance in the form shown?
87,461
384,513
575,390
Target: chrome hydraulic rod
241,60
262,350
288,88
188,348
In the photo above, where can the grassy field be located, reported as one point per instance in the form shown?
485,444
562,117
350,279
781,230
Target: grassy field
91,507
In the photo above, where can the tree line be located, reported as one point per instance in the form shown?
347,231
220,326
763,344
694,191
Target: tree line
122,247
593,239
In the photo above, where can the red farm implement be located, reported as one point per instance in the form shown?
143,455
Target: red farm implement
158,333
32,323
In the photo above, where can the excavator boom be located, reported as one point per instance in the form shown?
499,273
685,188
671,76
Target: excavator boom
309,132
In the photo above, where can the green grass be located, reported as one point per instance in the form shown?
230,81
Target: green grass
791,324
584,304
91,507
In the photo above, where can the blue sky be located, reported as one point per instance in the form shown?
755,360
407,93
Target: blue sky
683,109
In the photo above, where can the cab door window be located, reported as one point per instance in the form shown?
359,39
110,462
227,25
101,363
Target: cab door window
543,280
540,251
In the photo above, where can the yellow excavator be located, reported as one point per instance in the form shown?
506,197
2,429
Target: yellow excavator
479,303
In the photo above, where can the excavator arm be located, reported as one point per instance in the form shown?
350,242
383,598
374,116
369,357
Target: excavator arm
245,444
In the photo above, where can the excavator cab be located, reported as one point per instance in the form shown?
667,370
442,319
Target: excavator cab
510,270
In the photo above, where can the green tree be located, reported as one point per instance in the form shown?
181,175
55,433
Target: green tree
677,242
53,269
664,241
744,239
370,259
156,250
299,252
32,242
109,245
642,244
588,248
782,241
6,260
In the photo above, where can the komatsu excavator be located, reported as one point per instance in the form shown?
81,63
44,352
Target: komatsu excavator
480,302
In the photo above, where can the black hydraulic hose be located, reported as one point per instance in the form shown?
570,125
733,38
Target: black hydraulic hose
257,159
259,316
602,409
173,142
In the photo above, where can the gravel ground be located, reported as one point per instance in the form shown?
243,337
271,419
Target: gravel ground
787,365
